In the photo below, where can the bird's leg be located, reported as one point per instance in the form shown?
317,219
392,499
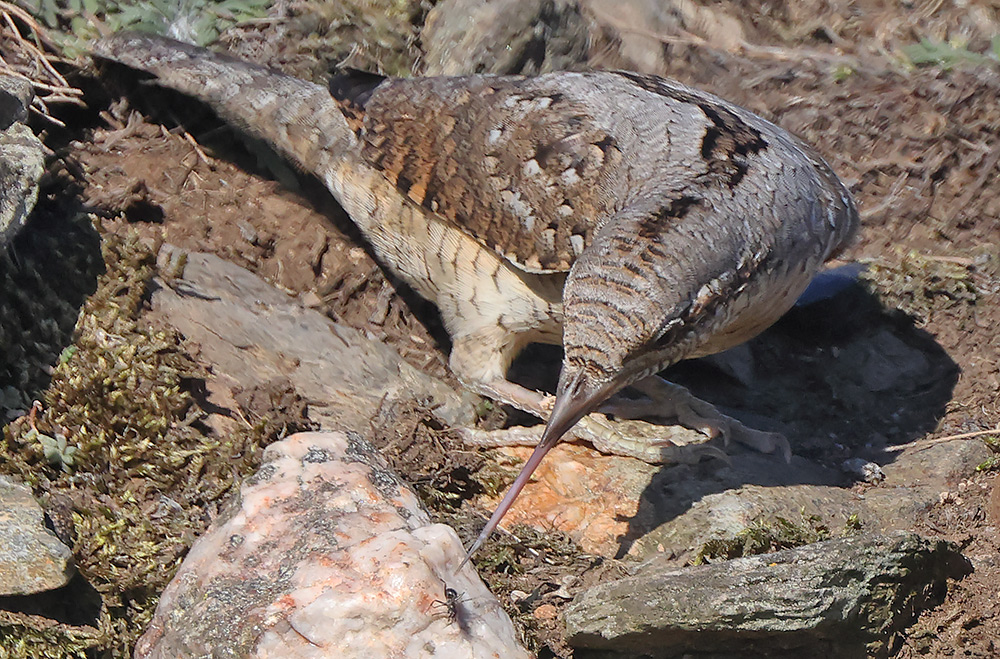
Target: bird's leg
513,394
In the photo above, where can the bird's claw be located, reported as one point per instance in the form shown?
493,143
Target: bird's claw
762,441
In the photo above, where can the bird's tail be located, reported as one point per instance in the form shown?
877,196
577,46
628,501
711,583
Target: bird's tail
298,118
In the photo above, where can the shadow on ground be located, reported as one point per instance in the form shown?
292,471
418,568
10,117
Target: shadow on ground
841,378
46,274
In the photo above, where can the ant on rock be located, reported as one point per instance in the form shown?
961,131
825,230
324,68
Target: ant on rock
449,603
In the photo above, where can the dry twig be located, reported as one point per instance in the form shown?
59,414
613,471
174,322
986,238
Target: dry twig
50,86
922,444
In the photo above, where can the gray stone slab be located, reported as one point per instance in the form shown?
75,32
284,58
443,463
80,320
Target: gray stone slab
250,332
32,559
840,598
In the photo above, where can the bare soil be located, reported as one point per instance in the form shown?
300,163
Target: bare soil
919,148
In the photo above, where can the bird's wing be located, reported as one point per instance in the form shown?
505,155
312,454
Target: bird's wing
517,163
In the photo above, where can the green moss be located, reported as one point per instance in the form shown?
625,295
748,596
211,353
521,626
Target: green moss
993,462
763,537
20,636
146,475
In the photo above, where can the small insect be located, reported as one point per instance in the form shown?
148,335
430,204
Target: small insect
449,604
460,609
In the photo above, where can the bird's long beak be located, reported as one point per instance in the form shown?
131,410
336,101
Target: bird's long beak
573,402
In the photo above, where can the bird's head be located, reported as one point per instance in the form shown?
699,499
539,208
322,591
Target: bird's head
607,347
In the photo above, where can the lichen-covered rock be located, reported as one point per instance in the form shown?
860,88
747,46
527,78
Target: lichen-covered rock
328,554
503,36
32,560
841,598
640,29
15,98
22,158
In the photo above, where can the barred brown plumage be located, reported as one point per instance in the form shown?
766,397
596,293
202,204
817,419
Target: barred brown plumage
634,220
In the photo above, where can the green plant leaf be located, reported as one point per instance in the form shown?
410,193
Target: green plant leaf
941,53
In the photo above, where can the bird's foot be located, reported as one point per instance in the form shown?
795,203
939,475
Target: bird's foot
665,400
648,442
695,422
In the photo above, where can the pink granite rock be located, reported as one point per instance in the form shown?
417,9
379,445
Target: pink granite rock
327,554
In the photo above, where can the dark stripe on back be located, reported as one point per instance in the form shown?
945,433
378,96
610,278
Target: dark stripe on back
654,224
728,141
